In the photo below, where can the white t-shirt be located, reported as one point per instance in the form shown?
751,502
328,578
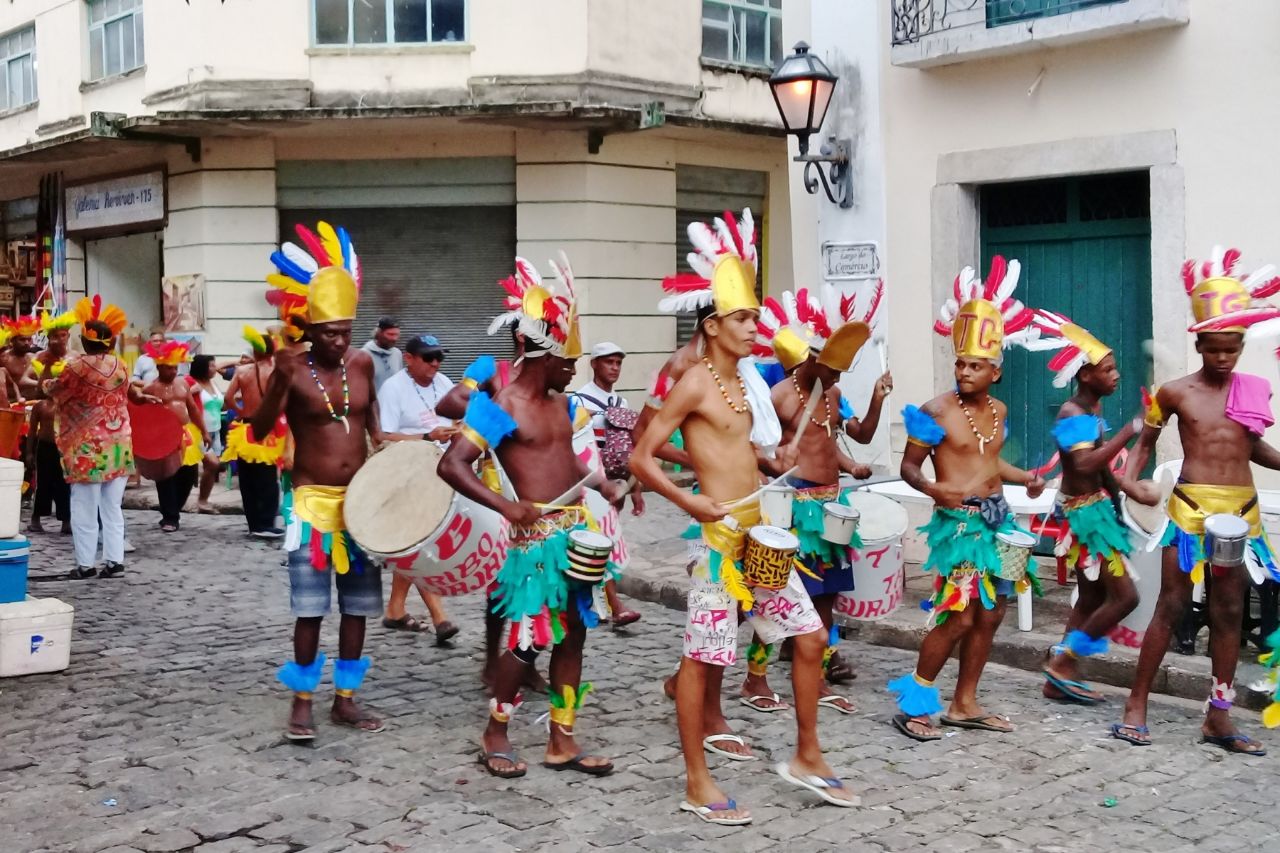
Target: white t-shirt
599,395
405,406
145,369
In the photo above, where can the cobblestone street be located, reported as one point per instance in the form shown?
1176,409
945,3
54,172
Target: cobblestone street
165,735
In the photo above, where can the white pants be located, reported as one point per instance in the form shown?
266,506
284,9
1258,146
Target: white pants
88,501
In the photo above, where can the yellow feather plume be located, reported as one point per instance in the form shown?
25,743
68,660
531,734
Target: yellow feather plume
287,284
329,238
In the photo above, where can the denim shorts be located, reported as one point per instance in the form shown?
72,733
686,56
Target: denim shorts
310,589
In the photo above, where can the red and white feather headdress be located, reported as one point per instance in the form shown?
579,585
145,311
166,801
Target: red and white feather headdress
982,318
547,315
1224,301
724,264
818,322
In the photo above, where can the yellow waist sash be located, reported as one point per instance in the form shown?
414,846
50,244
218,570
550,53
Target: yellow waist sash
193,452
1212,500
319,508
731,544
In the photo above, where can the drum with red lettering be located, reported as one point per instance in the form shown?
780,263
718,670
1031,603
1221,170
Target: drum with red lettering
399,510
584,445
877,569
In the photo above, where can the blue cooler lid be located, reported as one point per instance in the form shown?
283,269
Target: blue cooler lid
12,549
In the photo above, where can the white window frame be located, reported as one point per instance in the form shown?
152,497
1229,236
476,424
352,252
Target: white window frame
391,26
8,59
139,54
738,35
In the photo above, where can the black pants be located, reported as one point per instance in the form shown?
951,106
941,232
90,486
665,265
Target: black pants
173,493
51,487
259,494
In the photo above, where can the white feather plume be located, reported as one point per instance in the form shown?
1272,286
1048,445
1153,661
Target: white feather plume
704,241
701,265
300,257
1010,282
504,320
727,237
681,302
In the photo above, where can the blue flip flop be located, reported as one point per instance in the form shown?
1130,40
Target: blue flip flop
1228,742
1071,689
1118,728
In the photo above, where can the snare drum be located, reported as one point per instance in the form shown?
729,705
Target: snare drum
398,509
588,555
839,523
877,571
586,449
770,557
775,506
157,440
1225,540
1015,554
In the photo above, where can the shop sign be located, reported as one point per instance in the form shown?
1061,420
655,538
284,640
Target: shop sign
130,200
850,261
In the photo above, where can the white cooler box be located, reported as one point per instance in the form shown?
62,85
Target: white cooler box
35,636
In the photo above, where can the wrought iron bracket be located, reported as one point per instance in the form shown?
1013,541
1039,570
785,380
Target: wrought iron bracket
834,156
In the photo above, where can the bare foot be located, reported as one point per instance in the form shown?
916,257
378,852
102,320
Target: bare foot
1219,729
301,725
346,712
204,506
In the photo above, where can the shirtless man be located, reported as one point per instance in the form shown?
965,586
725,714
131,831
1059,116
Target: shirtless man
527,425
963,432
256,461
1094,542
326,392
1221,416
57,333
52,490
717,416
17,360
172,493
814,358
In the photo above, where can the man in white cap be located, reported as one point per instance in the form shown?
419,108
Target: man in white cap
597,397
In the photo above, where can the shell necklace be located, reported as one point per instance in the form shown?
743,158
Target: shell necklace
803,403
346,394
983,440
724,392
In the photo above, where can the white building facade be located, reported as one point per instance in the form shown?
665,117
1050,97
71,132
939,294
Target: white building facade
185,140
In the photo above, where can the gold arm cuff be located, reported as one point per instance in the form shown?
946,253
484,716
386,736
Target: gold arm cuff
918,443
474,437
345,693
1080,445
468,382
564,716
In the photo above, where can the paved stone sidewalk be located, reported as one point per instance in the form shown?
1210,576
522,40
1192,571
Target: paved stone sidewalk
164,735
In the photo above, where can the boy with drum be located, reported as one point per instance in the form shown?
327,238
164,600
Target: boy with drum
717,423
1221,417
1093,541
815,337
962,432
529,426
327,393
173,491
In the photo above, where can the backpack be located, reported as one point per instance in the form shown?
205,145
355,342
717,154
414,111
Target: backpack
619,441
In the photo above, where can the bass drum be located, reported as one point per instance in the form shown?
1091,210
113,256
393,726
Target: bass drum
610,521
400,511
877,567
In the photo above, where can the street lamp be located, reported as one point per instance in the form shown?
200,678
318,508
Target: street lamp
802,87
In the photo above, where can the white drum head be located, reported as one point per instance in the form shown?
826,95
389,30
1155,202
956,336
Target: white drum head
881,517
774,537
396,500
839,509
1017,539
591,540
1224,526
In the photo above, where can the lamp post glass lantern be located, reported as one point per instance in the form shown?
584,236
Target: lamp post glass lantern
802,87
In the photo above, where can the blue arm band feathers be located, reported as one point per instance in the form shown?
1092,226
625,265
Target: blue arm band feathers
921,427
846,408
488,419
481,370
1072,432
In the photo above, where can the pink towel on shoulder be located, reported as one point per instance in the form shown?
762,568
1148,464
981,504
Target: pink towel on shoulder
1249,402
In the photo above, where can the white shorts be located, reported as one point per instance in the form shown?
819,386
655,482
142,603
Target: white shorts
711,629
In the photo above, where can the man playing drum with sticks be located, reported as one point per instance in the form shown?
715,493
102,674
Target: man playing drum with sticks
328,395
1093,540
529,425
1221,417
963,431
715,409
815,337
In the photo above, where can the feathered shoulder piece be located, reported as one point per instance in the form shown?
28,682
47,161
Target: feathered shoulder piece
89,309
316,284
724,264
545,313
1224,300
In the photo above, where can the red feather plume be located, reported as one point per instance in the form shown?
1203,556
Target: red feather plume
1189,274
313,244
682,282
996,275
732,221
1229,260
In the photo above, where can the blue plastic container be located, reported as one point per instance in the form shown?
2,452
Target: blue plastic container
13,569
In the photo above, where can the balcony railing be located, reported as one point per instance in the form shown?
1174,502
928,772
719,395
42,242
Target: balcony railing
917,19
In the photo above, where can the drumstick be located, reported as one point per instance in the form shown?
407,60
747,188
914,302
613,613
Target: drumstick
508,489
551,506
769,485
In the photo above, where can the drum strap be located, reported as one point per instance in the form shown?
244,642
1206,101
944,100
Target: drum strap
1186,499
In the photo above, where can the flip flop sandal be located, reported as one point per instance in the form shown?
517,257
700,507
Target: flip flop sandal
709,744
977,723
356,724
820,785
1118,729
708,813
754,703
1074,691
1231,743
404,623
303,734
626,617
900,722
445,632
833,701
576,763
486,761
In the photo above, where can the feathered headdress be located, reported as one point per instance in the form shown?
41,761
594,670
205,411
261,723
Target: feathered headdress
821,323
984,318
171,353
5,334
52,322
260,343
546,316
87,310
724,264
1222,301
24,325
1077,347
320,284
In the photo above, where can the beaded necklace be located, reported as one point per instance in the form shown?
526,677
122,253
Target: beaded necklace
346,394
826,425
724,392
983,441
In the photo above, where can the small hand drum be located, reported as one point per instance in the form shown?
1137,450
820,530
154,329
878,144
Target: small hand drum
1015,554
770,557
588,555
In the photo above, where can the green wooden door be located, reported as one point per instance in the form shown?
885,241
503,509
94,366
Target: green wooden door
1085,249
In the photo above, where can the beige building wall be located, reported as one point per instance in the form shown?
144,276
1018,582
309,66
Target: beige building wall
1194,103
